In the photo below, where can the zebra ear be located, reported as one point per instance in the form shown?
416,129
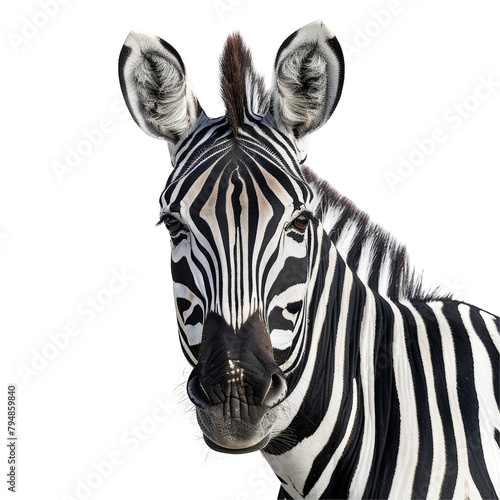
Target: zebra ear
154,85
308,78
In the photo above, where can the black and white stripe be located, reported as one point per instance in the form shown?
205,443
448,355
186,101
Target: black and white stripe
391,391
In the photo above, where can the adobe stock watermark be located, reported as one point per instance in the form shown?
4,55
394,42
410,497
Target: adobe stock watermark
454,286
258,483
223,7
88,141
371,29
130,441
85,313
31,25
452,119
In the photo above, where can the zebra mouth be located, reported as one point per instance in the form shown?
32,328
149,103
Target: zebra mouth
238,451
234,436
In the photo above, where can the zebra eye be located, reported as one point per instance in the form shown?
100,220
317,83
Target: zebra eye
301,222
173,225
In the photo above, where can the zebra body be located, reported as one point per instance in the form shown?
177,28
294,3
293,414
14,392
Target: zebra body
310,336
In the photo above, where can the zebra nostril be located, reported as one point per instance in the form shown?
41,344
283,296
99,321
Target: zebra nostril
276,391
197,393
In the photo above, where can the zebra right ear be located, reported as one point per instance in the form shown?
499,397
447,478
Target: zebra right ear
308,79
155,88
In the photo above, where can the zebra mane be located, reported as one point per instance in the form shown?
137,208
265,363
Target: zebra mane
242,89
377,258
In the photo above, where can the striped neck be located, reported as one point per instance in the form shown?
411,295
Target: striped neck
324,389
344,391
367,416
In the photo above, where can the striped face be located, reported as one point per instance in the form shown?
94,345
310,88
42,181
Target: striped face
239,220
240,229
245,240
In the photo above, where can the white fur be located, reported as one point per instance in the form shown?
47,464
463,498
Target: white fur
307,61
175,111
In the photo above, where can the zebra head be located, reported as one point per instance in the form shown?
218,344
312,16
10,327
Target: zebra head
242,219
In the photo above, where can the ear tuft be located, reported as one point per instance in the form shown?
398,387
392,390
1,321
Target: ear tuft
303,89
308,78
154,85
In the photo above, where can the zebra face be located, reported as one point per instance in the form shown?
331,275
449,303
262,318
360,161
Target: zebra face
244,235
240,232
239,243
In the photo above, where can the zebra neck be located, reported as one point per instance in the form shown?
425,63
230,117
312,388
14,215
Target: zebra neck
319,449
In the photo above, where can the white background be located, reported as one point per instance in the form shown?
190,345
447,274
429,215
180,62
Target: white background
61,239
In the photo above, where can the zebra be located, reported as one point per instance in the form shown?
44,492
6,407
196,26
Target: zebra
311,337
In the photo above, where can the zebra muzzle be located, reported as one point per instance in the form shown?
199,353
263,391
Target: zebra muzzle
236,385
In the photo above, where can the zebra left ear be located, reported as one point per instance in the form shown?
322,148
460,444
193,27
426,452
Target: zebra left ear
308,78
